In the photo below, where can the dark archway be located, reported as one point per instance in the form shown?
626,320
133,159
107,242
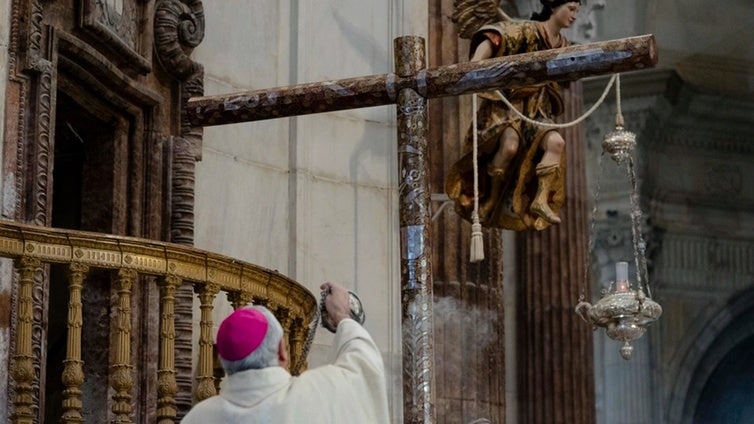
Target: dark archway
724,330
726,396
713,393
85,196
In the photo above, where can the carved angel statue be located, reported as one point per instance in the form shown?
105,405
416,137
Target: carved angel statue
521,165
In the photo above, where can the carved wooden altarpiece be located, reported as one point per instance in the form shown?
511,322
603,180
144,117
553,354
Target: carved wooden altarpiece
96,139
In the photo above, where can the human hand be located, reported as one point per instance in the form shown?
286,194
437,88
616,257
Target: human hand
336,302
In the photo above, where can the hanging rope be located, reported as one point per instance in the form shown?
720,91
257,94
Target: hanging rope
567,124
476,251
618,111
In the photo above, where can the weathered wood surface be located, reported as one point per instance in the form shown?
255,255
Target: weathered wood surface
565,64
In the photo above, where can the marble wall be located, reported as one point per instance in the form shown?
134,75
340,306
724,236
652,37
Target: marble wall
313,197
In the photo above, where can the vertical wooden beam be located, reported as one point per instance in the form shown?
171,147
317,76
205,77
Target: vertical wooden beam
73,372
416,248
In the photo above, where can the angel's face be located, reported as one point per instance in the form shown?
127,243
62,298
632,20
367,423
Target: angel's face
565,14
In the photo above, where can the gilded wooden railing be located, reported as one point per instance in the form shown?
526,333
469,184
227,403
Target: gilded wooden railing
32,247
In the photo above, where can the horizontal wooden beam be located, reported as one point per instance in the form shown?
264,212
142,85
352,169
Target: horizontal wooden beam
564,64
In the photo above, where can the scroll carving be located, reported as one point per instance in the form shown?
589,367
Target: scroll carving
178,28
43,157
34,56
30,71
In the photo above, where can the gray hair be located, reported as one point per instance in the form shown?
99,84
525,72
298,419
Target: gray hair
266,355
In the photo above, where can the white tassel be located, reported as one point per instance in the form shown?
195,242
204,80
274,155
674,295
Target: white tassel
476,250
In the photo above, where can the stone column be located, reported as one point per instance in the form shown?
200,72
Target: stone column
555,363
468,298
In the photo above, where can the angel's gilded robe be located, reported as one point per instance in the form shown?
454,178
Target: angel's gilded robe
541,102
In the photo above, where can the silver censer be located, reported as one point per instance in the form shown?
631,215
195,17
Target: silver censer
357,311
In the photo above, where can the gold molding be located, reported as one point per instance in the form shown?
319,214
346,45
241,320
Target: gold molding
73,372
150,257
174,265
121,375
167,386
22,368
205,381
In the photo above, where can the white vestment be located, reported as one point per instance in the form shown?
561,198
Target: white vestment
351,389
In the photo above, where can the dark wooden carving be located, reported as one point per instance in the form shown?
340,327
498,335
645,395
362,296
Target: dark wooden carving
96,55
31,71
178,28
125,31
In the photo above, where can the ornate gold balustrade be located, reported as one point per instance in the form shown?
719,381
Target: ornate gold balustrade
32,247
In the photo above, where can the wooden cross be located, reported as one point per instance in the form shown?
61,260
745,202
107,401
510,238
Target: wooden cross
409,88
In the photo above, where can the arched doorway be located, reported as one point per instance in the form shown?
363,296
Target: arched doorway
726,396
722,384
